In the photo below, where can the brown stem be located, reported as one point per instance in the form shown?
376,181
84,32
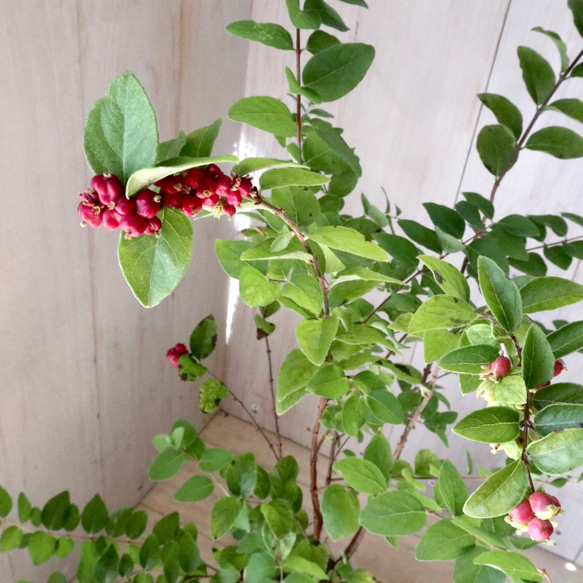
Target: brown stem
316,444
298,96
554,243
272,391
534,119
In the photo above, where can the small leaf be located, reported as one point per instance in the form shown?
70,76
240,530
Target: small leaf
361,475
153,266
393,514
566,339
279,516
330,382
518,568
452,488
224,516
41,547
204,338
55,510
378,451
94,517
558,453
559,142
505,111
11,538
340,510
166,465
200,142
348,240
440,312
500,493
272,35
5,503
255,289
214,459
443,541
500,293
241,475
447,277
286,177
576,7
571,107
558,417
302,19
195,489
136,524
548,293
558,393
538,75
561,46
266,113
468,359
337,70
496,146
490,425
248,165
315,337
538,360
385,407
446,219
294,374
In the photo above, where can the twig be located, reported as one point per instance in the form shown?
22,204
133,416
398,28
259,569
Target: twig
298,96
554,243
272,391
544,573
332,457
316,444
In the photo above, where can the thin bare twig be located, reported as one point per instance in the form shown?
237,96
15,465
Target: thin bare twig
272,391
316,444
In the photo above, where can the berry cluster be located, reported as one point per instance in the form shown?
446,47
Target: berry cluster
105,204
533,515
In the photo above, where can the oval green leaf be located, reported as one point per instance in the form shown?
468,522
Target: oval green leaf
558,453
490,425
266,113
468,359
393,514
538,360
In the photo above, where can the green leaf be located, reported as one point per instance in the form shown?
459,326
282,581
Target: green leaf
486,207
559,142
500,293
438,342
558,417
337,70
505,111
446,219
224,516
563,393
548,293
443,541
332,137
315,337
297,564
561,46
496,146
566,339
266,113
171,148
353,415
538,360
137,523
302,18
248,165
279,516
261,568
340,510
393,514
500,493
214,459
272,35
441,312
319,41
300,205
106,568
385,407
468,359
54,513
5,503
286,177
200,142
518,568
121,134
447,277
305,291
465,570
570,107
166,465
229,255
420,234
361,475
57,577
255,289
558,256
487,532
490,425
188,553
24,507
11,538
576,7
41,547
538,75
378,451
558,453
241,475
94,517
327,14
195,489
204,338
293,377
452,488
153,266
348,240
330,382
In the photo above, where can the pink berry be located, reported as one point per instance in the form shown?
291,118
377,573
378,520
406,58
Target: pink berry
194,178
125,206
234,198
522,514
191,204
244,187
148,204
111,219
90,215
501,366
229,209
544,505
211,201
134,225
108,188
559,367
540,530
153,227
224,185
173,355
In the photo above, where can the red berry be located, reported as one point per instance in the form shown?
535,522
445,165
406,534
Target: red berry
208,186
148,204
174,200
191,204
234,198
213,170
544,505
171,184
194,178
90,215
134,225
224,185
90,196
229,209
173,355
559,367
153,227
211,201
125,206
501,366
540,530
111,219
522,514
245,185
108,188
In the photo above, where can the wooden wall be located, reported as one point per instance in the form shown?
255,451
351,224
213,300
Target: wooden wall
413,121
82,366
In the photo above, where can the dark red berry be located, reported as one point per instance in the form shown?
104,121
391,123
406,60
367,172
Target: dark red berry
90,196
194,178
229,209
224,185
191,204
90,215
111,219
213,170
501,366
108,188
522,514
211,201
174,200
173,355
559,367
234,198
153,227
244,187
148,204
208,186
171,184
540,530
134,225
125,206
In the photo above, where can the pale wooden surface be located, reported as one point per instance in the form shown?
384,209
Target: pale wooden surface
413,121
82,364
390,565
